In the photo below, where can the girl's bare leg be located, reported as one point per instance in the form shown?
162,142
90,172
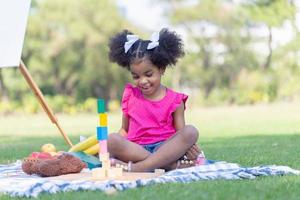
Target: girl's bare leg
125,150
168,154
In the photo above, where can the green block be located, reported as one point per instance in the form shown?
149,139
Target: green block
101,106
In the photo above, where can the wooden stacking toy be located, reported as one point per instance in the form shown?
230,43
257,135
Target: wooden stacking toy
106,170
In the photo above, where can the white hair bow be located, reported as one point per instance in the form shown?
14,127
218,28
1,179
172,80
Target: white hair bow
131,39
154,41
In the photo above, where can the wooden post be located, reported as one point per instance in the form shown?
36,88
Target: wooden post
42,101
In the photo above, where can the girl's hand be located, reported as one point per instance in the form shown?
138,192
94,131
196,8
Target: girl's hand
123,132
193,152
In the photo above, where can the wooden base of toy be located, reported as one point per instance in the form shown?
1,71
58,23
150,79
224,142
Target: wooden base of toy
87,176
112,172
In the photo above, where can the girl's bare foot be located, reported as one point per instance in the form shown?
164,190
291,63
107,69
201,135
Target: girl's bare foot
185,164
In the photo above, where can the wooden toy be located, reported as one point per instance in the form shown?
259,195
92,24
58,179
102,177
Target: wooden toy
101,106
99,173
103,119
106,164
114,172
106,171
104,157
101,133
103,146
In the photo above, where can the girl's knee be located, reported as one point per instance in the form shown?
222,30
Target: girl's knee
114,141
191,134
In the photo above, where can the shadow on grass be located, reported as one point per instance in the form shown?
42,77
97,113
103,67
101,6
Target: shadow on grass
255,150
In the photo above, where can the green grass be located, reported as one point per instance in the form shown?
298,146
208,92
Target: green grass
252,135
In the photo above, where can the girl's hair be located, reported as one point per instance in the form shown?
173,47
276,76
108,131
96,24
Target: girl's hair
170,48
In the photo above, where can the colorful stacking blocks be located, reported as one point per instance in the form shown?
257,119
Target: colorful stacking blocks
101,106
102,135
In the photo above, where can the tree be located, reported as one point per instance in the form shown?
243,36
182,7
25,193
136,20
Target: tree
219,47
3,89
271,14
66,47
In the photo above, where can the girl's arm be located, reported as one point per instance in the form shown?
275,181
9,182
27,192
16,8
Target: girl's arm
179,123
178,116
124,128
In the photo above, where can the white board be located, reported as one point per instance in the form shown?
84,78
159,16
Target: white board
13,20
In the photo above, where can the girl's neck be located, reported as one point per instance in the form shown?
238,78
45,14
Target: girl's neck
159,94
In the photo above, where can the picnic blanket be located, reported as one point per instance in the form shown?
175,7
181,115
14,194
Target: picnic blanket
14,182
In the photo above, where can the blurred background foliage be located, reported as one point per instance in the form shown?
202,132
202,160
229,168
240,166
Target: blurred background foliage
231,54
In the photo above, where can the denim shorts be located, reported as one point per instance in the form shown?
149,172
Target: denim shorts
152,147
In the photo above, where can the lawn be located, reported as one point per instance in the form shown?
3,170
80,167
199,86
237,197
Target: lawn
249,135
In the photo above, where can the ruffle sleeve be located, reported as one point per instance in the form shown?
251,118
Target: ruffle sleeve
179,97
128,90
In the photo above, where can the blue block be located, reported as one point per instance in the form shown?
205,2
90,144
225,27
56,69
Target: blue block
102,133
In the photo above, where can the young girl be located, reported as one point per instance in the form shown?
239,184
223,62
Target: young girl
153,133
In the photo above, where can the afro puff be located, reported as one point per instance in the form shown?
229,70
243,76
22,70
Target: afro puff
168,51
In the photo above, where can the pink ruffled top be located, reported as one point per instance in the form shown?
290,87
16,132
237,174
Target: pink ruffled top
150,121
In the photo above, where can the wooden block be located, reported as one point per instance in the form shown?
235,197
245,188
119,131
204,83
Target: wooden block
103,146
101,106
159,171
114,172
98,173
106,164
104,156
103,119
102,133
119,171
111,173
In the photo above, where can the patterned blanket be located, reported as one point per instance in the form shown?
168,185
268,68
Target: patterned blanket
15,183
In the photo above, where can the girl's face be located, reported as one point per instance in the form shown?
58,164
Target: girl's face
146,76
